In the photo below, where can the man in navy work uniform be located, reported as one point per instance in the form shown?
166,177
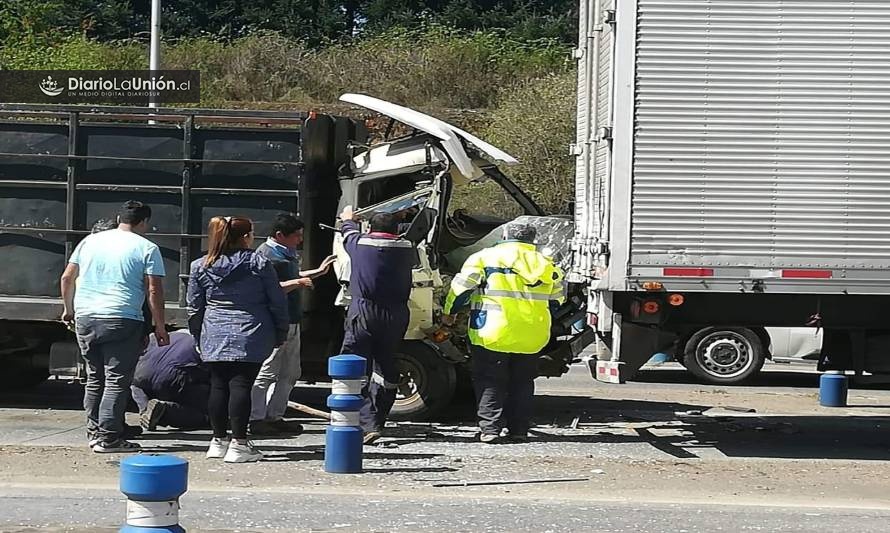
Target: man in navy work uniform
281,370
377,319
103,289
171,385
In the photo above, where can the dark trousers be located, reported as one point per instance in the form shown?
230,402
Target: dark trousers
374,332
229,405
111,348
505,390
185,408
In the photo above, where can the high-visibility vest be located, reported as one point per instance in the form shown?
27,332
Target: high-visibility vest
509,288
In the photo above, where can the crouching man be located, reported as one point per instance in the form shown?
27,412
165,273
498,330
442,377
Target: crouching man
171,386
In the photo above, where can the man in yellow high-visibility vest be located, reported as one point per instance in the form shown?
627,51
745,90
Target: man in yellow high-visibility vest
509,288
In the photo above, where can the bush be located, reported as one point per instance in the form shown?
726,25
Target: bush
435,67
264,67
430,67
536,124
71,52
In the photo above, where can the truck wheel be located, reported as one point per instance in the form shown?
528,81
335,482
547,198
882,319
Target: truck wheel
724,356
426,382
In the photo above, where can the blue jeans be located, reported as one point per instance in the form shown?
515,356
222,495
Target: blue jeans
111,348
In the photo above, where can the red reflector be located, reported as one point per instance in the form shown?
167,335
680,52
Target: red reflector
689,272
592,319
814,274
613,371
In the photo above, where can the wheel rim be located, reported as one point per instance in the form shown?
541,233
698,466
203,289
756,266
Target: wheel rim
725,354
412,377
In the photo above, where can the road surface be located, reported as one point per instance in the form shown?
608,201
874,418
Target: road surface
658,454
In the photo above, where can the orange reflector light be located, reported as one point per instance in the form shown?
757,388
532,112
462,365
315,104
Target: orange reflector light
313,115
440,335
653,285
651,307
676,300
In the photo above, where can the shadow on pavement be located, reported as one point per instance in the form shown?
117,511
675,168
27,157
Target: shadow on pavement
775,377
677,429
409,470
53,394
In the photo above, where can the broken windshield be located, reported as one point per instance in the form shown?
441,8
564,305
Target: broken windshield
408,204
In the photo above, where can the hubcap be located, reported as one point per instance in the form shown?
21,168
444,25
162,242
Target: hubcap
725,354
411,378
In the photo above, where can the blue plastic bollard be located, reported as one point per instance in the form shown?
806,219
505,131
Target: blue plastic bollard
343,437
153,484
833,389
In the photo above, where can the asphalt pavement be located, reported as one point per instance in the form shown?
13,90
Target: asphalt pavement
662,453
330,513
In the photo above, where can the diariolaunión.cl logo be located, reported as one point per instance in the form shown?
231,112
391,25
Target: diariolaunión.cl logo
50,87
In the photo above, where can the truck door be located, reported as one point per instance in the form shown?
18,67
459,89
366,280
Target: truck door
418,211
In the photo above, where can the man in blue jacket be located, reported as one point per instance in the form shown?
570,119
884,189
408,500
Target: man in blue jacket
378,316
171,385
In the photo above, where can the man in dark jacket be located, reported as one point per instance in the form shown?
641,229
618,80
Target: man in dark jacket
378,316
171,385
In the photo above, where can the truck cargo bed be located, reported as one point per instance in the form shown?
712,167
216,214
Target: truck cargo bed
65,168
747,147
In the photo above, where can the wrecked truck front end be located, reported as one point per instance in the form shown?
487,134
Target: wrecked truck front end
447,188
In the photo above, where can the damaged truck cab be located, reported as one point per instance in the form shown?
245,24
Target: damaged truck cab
446,187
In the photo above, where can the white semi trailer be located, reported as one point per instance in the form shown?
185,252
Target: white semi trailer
733,172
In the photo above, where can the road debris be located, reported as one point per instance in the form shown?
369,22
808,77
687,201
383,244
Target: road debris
510,482
309,410
738,409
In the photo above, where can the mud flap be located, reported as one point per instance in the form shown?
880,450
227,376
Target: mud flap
65,361
632,346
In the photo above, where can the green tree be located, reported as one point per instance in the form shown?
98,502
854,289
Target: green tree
30,20
315,22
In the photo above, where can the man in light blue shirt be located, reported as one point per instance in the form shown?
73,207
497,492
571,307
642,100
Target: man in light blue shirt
104,287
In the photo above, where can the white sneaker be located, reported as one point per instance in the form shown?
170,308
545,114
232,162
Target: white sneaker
218,448
242,452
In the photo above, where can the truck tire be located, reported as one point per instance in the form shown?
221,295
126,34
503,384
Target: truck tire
724,356
426,382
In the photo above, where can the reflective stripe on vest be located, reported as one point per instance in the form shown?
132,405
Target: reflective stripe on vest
510,310
385,243
519,295
467,282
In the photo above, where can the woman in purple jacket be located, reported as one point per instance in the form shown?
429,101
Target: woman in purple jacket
238,315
